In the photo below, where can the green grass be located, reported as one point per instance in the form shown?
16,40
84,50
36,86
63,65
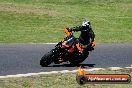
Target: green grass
65,80
41,21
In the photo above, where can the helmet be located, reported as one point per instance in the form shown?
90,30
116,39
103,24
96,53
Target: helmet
85,23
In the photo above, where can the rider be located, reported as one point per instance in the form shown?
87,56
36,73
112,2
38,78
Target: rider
87,36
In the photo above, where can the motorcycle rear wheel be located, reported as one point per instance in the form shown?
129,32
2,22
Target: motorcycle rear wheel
76,60
46,59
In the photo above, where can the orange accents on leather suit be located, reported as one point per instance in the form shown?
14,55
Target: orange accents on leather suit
79,48
93,43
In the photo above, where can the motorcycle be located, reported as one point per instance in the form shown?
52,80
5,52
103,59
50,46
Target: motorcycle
66,51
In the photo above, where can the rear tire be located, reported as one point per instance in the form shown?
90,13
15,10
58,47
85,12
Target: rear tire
46,59
79,58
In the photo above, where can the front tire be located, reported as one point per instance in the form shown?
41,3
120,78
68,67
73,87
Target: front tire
46,59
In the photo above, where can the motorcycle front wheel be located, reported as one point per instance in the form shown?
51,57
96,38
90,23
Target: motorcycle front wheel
46,59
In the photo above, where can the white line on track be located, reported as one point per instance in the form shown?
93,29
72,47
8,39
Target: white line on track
63,71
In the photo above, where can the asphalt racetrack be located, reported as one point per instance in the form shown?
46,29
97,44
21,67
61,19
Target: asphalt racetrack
24,58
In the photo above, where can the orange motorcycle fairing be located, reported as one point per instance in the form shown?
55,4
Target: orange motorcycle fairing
64,46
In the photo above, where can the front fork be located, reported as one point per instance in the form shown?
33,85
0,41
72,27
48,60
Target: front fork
59,55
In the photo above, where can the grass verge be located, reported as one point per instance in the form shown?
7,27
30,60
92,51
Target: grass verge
41,21
65,80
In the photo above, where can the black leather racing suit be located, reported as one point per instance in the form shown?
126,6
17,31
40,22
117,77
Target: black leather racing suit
87,35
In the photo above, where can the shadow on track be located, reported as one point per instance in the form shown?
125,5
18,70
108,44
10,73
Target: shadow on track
70,65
